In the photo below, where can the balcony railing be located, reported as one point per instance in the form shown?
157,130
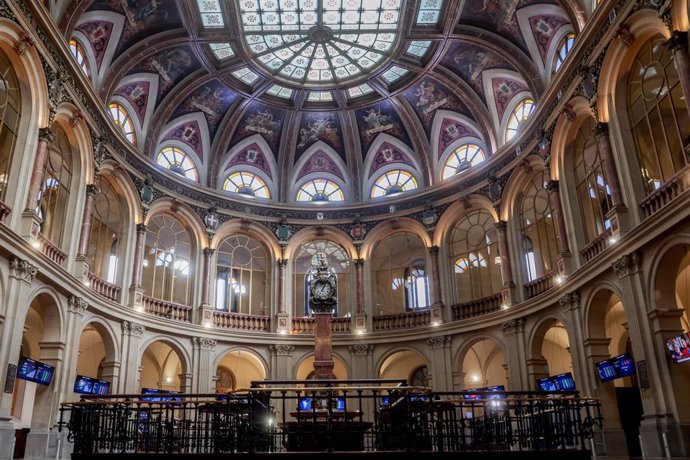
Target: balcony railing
540,285
167,309
596,247
104,288
477,307
408,320
50,250
241,322
307,325
668,191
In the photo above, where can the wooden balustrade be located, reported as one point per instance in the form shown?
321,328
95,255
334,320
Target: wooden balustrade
167,309
241,321
478,307
540,285
408,320
104,288
597,246
307,325
668,191
4,211
50,250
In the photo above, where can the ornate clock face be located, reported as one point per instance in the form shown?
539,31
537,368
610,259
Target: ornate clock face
323,290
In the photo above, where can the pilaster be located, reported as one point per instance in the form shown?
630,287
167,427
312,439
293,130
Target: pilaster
441,366
201,362
514,333
131,348
281,361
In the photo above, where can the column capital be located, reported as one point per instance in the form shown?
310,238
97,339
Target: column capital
678,41
134,329
552,185
46,135
433,250
282,350
601,129
361,349
204,343
91,190
501,225
208,252
141,228
282,262
627,265
78,305
513,326
359,263
441,341
22,270
570,301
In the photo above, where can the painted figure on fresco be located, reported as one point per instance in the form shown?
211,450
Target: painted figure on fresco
321,128
262,122
171,64
430,98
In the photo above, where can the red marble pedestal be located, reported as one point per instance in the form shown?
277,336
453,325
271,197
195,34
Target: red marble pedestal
323,350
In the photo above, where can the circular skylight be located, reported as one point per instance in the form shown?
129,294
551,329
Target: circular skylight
320,41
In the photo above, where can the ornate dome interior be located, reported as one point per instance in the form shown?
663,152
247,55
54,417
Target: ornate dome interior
321,101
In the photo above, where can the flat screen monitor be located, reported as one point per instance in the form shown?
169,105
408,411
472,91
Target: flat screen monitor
305,403
606,370
624,365
679,348
564,382
385,400
340,404
496,389
153,391
83,385
546,384
35,371
469,395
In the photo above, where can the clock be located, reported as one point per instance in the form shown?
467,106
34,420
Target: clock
323,289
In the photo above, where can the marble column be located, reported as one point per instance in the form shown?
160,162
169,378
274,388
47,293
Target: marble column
206,309
618,209
435,276
678,44
557,205
85,233
136,293
506,270
283,323
45,138
359,270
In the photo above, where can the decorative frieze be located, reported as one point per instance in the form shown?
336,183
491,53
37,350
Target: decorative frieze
361,349
570,301
513,326
282,350
441,341
78,305
22,270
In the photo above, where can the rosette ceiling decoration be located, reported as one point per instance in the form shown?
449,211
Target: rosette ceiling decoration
320,101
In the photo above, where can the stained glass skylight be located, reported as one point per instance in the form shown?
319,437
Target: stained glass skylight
320,41
429,12
360,90
211,14
280,91
418,47
320,96
394,74
246,75
221,50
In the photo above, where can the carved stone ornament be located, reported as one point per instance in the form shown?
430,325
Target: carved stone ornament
570,301
627,265
78,305
361,349
204,343
129,328
440,341
282,350
22,270
513,326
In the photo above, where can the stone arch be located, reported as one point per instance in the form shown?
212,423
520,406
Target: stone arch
105,329
251,229
565,130
55,308
180,352
198,161
408,359
485,357
301,369
663,272
550,328
441,149
457,211
241,376
321,146
185,214
323,233
390,227
518,180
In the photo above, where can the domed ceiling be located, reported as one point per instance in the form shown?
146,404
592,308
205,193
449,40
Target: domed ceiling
280,97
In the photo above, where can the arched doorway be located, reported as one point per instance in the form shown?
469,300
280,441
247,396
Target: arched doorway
162,368
237,369
484,365
305,370
96,356
406,364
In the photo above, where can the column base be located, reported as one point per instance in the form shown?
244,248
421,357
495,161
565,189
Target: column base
206,317
136,299
283,323
620,220
43,444
507,295
612,442
564,263
664,437
81,269
6,439
30,226
360,323
436,314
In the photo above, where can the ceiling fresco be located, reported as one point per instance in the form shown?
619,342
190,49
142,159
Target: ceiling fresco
194,73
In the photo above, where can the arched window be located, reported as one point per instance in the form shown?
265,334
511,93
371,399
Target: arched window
10,116
107,228
55,187
177,161
564,46
242,276
521,113
246,183
593,193
538,229
475,257
338,262
123,121
463,158
168,260
320,191
79,54
399,274
658,114
393,182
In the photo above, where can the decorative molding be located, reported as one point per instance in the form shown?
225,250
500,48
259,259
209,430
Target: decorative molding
22,270
361,349
131,328
570,301
627,265
513,326
440,341
78,305
204,343
282,350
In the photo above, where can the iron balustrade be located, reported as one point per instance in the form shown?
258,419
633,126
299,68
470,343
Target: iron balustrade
331,415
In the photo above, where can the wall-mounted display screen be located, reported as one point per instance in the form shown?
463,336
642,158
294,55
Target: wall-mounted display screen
560,382
90,386
153,391
35,371
494,389
305,403
679,348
